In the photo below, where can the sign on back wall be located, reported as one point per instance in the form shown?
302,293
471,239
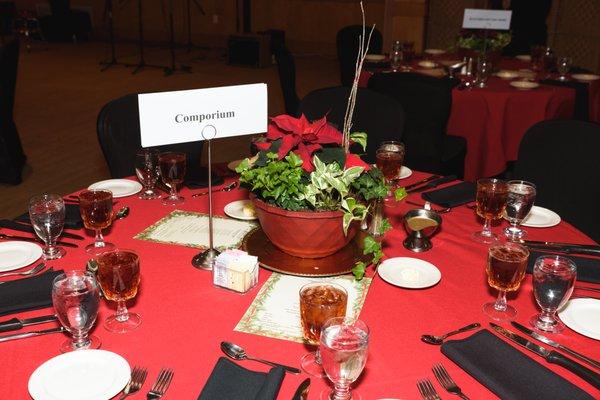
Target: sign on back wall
486,19
180,116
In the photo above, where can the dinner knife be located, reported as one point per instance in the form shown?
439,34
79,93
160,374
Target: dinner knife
429,178
433,184
560,244
302,391
23,227
29,239
6,338
554,344
564,249
16,323
553,357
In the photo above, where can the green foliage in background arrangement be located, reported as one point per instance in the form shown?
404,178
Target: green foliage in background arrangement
475,40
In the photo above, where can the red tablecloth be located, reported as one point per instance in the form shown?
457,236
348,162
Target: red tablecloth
185,317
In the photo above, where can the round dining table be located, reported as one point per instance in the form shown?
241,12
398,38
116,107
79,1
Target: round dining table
185,317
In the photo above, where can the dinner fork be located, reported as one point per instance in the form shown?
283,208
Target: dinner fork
446,381
161,385
31,271
427,390
138,377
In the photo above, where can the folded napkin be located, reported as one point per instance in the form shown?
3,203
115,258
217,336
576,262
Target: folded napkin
452,196
506,371
198,178
588,269
72,217
229,381
27,294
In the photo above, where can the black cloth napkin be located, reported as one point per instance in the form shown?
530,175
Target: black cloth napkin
197,178
27,294
588,269
452,196
506,371
72,217
229,381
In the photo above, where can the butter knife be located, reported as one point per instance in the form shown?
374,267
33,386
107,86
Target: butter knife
30,239
302,391
554,344
6,338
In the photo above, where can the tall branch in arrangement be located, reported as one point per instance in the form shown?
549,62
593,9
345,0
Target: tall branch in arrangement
360,58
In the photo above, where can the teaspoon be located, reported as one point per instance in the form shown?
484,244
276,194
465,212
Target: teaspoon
236,352
440,339
227,188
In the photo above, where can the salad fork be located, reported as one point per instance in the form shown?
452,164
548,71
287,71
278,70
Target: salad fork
446,381
138,377
31,271
161,385
427,390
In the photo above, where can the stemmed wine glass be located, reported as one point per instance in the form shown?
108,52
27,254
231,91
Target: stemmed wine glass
505,270
553,283
389,158
76,298
344,348
172,172
319,302
119,277
146,169
96,207
564,66
491,202
484,70
396,56
520,199
47,215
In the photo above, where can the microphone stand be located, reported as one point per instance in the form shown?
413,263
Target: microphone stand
108,12
190,44
142,63
174,67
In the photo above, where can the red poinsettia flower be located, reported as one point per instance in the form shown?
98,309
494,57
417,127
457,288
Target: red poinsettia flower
352,160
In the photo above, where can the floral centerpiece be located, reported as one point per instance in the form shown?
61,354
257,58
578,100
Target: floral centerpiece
474,43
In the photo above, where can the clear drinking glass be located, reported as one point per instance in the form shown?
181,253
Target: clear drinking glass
389,158
553,283
76,298
319,302
505,270
396,56
564,66
172,171
344,348
484,70
520,199
146,169
47,215
491,202
119,276
96,207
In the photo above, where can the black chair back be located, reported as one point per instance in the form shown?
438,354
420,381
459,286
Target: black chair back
561,158
8,12
380,116
118,130
58,7
347,49
287,78
582,102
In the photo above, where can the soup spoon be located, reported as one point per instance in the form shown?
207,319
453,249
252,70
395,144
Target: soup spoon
236,352
440,339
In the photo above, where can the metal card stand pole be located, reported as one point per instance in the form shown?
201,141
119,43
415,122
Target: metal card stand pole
206,259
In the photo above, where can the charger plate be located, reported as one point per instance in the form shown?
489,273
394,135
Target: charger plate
272,258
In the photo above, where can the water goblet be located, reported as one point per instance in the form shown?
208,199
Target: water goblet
344,348
389,158
96,207
172,172
146,169
505,270
520,199
76,298
119,277
553,283
396,56
47,215
484,70
319,302
491,202
564,66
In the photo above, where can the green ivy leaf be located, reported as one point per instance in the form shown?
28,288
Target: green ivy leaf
359,270
360,138
400,194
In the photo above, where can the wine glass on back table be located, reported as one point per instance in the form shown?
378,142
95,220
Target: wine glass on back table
96,207
389,159
491,202
172,171
47,215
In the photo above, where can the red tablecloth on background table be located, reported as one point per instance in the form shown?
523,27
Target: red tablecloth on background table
185,317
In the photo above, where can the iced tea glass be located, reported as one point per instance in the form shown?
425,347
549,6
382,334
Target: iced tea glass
96,207
505,270
491,202
319,302
172,172
389,158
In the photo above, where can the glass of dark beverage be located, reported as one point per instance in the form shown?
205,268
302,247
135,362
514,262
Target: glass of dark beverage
76,298
491,202
119,277
47,215
319,302
146,169
505,270
553,282
389,158
96,207
172,171
520,199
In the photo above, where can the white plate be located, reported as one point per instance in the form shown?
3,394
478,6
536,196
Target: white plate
435,52
374,57
586,77
524,85
408,272
118,187
15,255
581,315
80,375
232,165
523,57
427,64
235,209
405,172
540,217
507,74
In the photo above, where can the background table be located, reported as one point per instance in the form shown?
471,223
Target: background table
185,317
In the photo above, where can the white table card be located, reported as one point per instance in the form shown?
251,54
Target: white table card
181,116
275,312
486,19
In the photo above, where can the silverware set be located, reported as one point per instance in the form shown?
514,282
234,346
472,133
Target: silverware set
427,390
138,377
